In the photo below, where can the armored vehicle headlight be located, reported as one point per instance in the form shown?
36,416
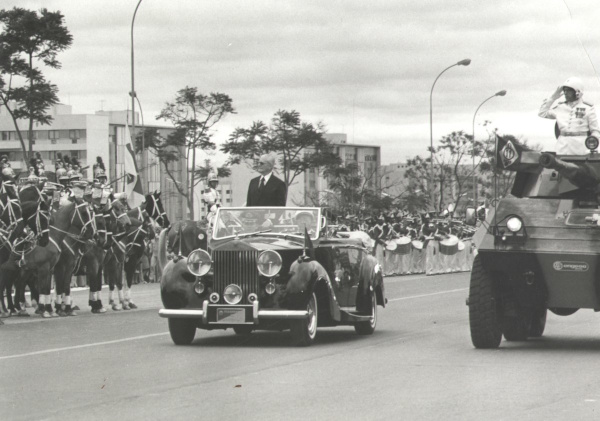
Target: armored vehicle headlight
514,224
199,262
269,263
591,142
232,294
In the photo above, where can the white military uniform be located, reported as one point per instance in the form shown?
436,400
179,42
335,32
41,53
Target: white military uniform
576,121
212,197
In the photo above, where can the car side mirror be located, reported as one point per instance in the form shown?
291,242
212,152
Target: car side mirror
471,217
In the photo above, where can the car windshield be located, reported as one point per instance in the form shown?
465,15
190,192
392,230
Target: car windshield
230,222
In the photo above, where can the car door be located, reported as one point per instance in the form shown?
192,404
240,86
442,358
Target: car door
347,279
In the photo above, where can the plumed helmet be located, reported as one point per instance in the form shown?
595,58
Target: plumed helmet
4,161
576,84
99,168
212,177
8,173
61,175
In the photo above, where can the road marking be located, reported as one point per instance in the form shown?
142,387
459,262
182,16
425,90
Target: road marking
69,348
428,295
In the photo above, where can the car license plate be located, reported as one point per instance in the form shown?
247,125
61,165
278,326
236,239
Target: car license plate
231,315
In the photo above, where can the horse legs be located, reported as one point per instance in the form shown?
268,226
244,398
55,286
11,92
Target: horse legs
130,267
59,281
44,280
93,273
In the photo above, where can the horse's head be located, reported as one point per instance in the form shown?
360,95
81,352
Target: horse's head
119,212
155,209
11,216
39,220
100,226
83,219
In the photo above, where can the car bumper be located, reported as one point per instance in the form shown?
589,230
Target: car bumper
219,314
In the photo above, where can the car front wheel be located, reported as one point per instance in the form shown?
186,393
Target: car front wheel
304,331
367,328
182,331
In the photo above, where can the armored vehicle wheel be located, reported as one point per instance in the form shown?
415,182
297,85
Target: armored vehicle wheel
243,330
538,323
516,328
182,331
304,331
485,310
367,328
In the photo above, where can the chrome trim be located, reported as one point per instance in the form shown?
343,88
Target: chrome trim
205,312
282,314
257,314
255,311
181,313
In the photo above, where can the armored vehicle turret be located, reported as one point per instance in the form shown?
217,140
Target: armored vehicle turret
539,248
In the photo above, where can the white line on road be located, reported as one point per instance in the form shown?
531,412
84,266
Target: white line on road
68,348
428,295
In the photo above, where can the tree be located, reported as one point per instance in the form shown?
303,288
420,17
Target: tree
300,146
194,116
29,38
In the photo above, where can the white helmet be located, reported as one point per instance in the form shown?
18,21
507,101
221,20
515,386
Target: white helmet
576,84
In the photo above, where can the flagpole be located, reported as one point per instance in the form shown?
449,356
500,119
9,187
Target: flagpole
133,96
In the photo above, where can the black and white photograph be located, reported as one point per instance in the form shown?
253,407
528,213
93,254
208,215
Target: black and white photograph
299,210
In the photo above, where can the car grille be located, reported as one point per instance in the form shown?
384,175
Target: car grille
235,267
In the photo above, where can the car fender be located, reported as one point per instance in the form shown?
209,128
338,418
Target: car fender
371,275
305,275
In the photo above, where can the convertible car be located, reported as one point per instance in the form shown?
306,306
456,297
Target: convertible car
277,268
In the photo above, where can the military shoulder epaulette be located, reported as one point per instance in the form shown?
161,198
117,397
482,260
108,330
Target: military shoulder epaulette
588,104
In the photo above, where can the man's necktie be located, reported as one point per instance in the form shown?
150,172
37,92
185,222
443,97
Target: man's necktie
262,183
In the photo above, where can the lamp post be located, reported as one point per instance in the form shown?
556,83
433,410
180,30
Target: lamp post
464,62
499,93
133,97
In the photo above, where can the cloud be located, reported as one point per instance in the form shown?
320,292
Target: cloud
366,68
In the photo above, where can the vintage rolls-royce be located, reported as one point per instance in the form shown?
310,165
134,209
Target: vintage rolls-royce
275,268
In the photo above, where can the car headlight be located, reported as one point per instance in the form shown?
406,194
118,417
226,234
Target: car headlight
269,263
514,224
232,294
199,287
199,262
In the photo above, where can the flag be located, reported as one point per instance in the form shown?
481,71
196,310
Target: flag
133,184
308,245
511,156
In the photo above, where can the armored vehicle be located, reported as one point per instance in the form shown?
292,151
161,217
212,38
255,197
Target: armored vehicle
539,248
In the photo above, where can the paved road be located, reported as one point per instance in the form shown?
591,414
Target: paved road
419,365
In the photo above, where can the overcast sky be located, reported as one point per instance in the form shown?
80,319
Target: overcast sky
364,68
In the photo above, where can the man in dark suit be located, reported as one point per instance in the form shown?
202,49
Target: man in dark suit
266,190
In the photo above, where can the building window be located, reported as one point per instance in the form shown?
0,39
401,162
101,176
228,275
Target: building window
73,140
75,154
5,135
53,135
53,141
74,134
227,200
227,191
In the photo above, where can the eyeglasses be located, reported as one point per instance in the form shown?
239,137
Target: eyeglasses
262,163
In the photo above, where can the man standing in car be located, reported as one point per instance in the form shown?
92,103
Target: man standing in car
267,189
575,119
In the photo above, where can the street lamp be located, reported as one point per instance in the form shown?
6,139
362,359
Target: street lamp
464,62
133,97
499,93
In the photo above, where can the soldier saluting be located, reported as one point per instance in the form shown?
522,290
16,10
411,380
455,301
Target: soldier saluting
575,119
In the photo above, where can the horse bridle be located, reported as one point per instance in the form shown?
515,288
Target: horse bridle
156,213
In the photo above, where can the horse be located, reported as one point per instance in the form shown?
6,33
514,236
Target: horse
134,245
116,220
11,227
70,257
71,223
37,221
